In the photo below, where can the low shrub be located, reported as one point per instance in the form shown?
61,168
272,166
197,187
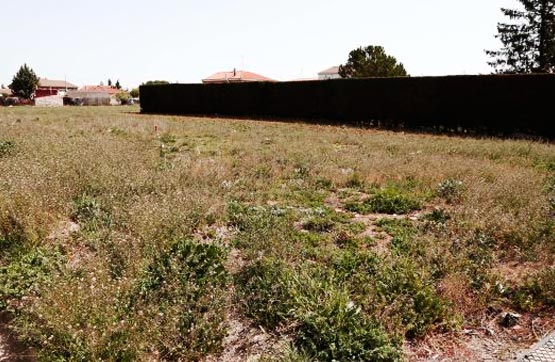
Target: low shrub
13,236
265,290
403,232
21,277
451,190
329,325
337,330
539,290
385,201
323,220
437,216
319,224
123,97
390,201
479,255
410,294
355,181
355,268
185,286
89,212
7,148
323,183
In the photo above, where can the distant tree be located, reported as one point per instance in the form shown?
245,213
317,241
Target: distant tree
109,82
371,61
123,97
24,83
134,93
118,86
528,40
156,82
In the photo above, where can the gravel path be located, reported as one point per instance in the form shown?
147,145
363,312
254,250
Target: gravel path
542,352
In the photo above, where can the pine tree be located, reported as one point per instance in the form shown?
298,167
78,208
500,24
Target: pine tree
118,86
528,40
24,83
109,82
371,61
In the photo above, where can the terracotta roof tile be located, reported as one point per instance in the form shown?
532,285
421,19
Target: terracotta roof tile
332,70
100,89
236,77
51,83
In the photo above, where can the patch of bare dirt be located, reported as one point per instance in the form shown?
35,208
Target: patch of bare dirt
245,342
63,231
334,202
11,350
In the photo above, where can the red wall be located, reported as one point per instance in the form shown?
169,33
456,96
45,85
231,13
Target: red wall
45,92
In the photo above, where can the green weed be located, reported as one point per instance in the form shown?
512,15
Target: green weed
355,181
330,325
385,201
7,148
89,212
539,290
403,232
186,285
337,330
412,296
437,216
451,190
265,289
24,275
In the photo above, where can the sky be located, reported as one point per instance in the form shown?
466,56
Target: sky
88,42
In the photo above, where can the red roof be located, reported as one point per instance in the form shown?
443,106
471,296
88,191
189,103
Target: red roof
330,71
236,76
50,83
100,89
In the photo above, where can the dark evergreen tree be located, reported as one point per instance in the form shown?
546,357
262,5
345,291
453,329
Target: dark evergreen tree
24,83
156,82
371,61
109,82
528,39
118,86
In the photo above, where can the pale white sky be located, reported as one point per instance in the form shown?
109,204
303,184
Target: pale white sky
183,40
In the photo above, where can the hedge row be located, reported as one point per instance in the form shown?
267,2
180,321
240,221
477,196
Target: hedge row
490,103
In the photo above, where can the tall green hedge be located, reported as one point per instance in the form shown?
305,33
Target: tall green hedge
489,103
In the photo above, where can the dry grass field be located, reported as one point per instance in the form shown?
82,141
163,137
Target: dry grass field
130,237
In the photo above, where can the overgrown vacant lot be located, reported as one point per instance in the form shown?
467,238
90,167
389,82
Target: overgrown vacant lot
130,237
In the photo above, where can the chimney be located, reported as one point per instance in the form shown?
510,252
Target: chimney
234,72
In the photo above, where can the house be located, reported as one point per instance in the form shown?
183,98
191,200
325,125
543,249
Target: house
49,87
50,101
330,73
236,76
107,89
88,98
5,92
